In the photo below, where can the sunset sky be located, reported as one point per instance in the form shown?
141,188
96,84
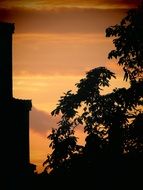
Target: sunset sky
55,43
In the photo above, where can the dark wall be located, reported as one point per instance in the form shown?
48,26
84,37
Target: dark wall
6,30
15,136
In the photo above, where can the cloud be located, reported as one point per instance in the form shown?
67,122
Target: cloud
58,54
116,4
42,122
43,4
61,20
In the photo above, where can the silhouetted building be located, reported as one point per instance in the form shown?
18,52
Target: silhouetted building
14,114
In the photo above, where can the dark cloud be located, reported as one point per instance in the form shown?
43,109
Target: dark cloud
62,20
123,3
41,122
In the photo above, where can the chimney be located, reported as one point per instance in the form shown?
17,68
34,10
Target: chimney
6,31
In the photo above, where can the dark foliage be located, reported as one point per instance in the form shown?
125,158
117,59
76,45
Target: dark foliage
113,122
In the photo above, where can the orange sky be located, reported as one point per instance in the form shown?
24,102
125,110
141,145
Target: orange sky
54,44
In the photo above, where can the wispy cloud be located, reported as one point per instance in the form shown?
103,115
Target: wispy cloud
44,4
59,54
63,20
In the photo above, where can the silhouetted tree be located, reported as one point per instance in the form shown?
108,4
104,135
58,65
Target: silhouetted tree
128,42
112,122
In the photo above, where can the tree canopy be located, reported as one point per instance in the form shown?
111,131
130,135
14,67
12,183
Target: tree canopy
112,122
